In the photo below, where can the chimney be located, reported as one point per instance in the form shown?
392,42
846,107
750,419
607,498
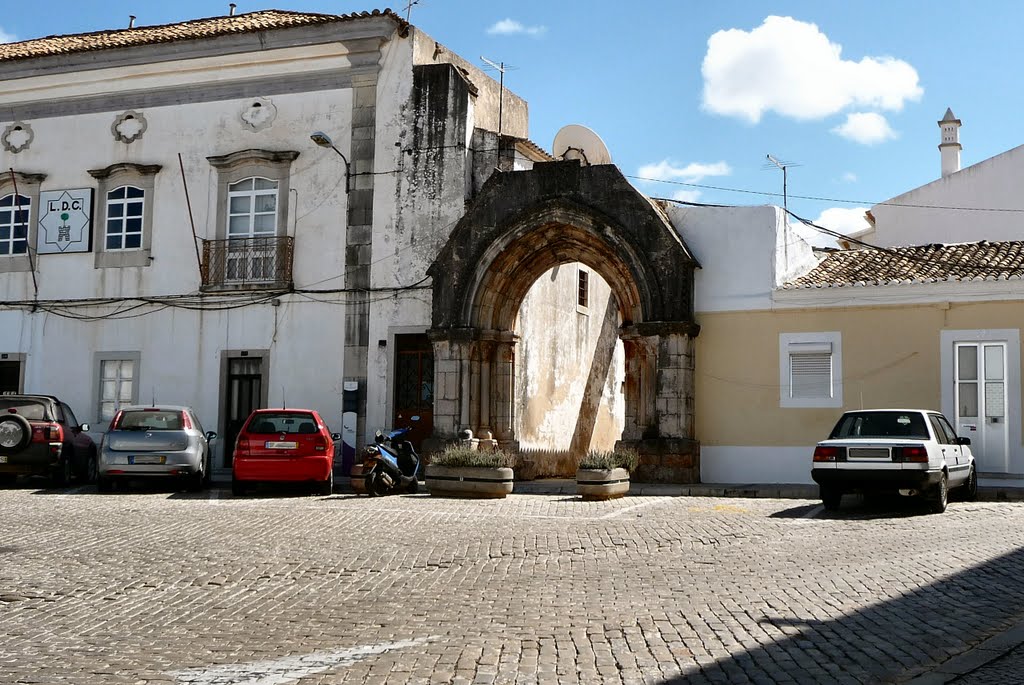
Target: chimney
231,9
949,147
131,21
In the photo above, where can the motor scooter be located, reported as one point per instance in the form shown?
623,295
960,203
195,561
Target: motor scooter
390,464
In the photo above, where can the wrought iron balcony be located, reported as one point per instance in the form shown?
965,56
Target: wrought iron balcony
244,263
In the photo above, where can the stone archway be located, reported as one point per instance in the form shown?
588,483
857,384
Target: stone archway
526,222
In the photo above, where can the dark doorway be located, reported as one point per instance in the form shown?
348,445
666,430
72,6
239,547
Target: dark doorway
243,393
10,377
414,386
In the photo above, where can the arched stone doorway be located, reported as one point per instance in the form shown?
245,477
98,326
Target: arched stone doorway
526,222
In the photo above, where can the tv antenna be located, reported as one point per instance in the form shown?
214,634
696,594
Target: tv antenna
501,68
408,8
784,165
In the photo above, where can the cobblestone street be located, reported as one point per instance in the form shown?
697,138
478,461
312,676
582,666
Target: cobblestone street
161,587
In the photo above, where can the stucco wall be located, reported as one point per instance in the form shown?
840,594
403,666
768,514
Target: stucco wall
561,352
992,184
891,357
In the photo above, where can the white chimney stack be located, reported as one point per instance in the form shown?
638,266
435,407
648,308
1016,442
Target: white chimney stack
950,146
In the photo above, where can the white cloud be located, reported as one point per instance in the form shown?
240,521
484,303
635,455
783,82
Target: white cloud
686,195
666,170
866,128
849,177
847,220
7,37
511,27
792,68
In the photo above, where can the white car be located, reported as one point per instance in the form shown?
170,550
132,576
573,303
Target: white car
914,452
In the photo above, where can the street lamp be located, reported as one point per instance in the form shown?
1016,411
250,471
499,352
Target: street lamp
324,140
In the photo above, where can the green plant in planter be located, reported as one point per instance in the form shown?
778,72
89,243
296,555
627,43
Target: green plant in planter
459,457
605,460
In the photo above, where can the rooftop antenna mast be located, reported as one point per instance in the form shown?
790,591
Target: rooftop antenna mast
500,67
784,165
408,9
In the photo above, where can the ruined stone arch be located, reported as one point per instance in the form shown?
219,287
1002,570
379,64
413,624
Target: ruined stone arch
526,222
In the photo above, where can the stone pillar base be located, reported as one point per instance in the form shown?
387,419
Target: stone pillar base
666,460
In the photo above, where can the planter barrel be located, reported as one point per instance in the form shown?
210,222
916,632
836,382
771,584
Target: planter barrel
469,482
357,479
601,484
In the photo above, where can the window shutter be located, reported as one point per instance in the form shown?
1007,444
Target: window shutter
810,374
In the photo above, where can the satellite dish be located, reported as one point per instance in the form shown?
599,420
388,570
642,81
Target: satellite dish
579,142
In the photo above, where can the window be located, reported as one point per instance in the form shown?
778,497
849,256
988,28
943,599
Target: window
14,211
19,203
810,370
117,382
124,218
126,193
252,208
582,289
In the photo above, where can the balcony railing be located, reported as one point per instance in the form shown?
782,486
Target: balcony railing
242,263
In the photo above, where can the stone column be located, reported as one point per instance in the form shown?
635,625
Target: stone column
452,378
504,389
486,348
641,354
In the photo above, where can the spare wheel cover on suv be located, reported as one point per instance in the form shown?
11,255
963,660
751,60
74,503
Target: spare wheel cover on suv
15,433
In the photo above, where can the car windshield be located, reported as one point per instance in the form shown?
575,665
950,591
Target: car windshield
881,424
284,422
149,420
31,410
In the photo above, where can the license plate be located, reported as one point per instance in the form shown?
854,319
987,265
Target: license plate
147,459
277,445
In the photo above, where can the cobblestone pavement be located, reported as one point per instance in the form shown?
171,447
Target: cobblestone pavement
205,589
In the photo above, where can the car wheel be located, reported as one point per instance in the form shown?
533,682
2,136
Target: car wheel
195,482
207,476
327,487
831,498
969,490
15,433
104,484
939,495
91,468
62,473
237,487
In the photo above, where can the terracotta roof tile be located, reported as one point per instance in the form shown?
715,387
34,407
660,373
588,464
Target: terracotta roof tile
981,261
167,33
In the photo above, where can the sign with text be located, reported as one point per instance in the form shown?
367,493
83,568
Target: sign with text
65,221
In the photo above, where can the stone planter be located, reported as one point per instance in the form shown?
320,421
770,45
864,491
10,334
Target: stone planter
601,484
469,482
357,479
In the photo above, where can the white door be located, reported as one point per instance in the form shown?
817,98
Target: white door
980,395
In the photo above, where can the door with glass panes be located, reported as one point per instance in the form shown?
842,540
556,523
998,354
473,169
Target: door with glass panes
980,394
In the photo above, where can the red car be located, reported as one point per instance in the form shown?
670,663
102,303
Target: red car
284,445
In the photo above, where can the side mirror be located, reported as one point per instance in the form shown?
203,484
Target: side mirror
335,436
963,441
211,435
84,428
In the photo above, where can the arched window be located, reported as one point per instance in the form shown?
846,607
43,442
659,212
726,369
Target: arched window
14,212
252,208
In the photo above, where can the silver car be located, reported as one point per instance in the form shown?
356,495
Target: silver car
159,441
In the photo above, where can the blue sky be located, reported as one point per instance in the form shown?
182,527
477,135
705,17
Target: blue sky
700,92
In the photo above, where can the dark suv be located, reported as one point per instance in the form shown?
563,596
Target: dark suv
40,436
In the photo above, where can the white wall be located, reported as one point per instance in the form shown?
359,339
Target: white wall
992,184
744,253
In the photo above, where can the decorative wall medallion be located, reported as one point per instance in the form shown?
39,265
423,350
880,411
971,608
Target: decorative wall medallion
65,221
17,137
258,114
129,127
